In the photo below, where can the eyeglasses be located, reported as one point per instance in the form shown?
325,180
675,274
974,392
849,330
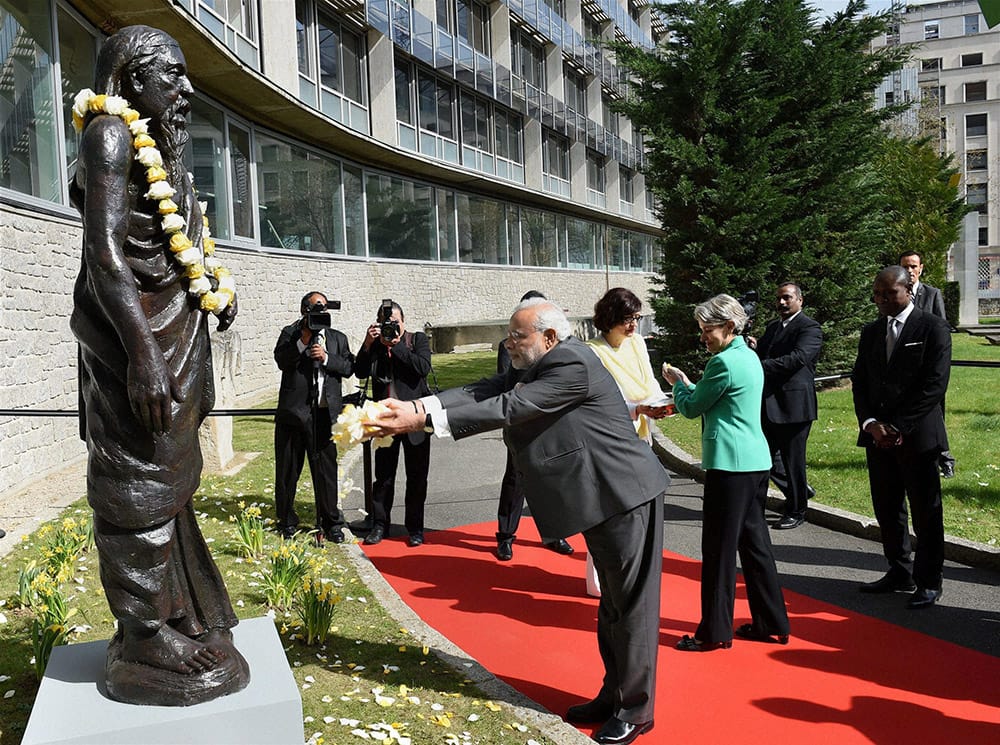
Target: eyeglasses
516,336
632,319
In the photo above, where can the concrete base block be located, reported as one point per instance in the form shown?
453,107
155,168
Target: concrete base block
71,708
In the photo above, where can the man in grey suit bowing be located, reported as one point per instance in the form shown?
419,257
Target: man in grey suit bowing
583,471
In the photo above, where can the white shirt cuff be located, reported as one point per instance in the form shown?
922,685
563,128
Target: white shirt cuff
432,405
866,422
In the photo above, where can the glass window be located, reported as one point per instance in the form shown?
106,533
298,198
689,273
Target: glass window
975,91
527,58
508,135
539,239
984,236
206,159
930,29
404,93
354,210
975,160
402,223
626,184
475,113
340,57
971,60
558,6
29,154
434,99
77,55
929,65
575,91
555,155
303,15
299,198
890,97
975,125
237,14
595,171
482,230
976,196
591,28
582,241
972,24
239,179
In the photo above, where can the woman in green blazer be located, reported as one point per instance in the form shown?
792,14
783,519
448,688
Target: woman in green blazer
737,460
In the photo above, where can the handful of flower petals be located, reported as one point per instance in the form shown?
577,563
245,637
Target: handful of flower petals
358,424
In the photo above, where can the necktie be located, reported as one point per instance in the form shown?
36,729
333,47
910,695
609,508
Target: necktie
890,338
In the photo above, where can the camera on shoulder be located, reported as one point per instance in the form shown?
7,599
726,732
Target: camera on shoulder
388,326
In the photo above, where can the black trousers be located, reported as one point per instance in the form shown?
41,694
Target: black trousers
628,555
734,524
292,445
788,450
895,475
417,460
511,501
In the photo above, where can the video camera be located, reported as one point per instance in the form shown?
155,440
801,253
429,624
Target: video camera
316,317
388,327
749,302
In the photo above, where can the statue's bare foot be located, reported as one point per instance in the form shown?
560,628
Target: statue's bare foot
218,641
168,649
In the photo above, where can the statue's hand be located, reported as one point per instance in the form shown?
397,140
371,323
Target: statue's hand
227,316
152,389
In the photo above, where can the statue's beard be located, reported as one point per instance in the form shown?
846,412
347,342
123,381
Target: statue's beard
171,139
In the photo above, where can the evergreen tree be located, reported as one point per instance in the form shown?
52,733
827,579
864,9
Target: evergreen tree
761,135
925,209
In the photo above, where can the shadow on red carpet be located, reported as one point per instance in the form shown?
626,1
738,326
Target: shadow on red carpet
843,678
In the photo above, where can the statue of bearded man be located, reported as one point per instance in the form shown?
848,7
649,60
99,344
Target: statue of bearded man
145,387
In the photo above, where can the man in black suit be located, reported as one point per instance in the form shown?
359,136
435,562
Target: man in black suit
788,351
312,364
511,502
583,470
398,362
899,380
930,300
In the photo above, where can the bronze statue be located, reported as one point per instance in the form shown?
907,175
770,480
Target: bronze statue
146,281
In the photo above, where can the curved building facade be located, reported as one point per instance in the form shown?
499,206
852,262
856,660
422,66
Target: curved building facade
449,154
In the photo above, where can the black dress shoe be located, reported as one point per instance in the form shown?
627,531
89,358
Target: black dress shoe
888,583
375,535
505,548
287,533
747,631
690,644
335,535
590,712
617,732
415,539
560,547
787,522
923,597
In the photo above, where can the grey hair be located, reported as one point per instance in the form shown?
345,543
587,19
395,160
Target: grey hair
549,317
717,310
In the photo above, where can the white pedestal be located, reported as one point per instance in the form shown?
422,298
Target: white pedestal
71,708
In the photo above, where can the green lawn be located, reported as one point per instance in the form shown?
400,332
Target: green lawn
837,467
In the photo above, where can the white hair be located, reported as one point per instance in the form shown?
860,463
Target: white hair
549,316
717,310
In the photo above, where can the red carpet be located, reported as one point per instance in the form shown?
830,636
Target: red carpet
844,678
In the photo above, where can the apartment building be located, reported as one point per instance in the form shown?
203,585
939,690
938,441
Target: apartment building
449,154
954,78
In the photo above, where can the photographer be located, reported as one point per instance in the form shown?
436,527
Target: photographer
313,358
398,363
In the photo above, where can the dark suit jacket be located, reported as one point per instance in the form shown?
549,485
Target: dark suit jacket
569,431
906,391
930,300
297,371
406,369
788,356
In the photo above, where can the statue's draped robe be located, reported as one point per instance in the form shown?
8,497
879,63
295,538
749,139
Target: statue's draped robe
155,565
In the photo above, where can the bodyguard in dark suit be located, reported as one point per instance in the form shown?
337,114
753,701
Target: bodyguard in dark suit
398,363
899,380
312,365
929,300
583,470
788,351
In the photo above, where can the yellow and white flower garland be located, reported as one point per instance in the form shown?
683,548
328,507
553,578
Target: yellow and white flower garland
355,425
197,261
